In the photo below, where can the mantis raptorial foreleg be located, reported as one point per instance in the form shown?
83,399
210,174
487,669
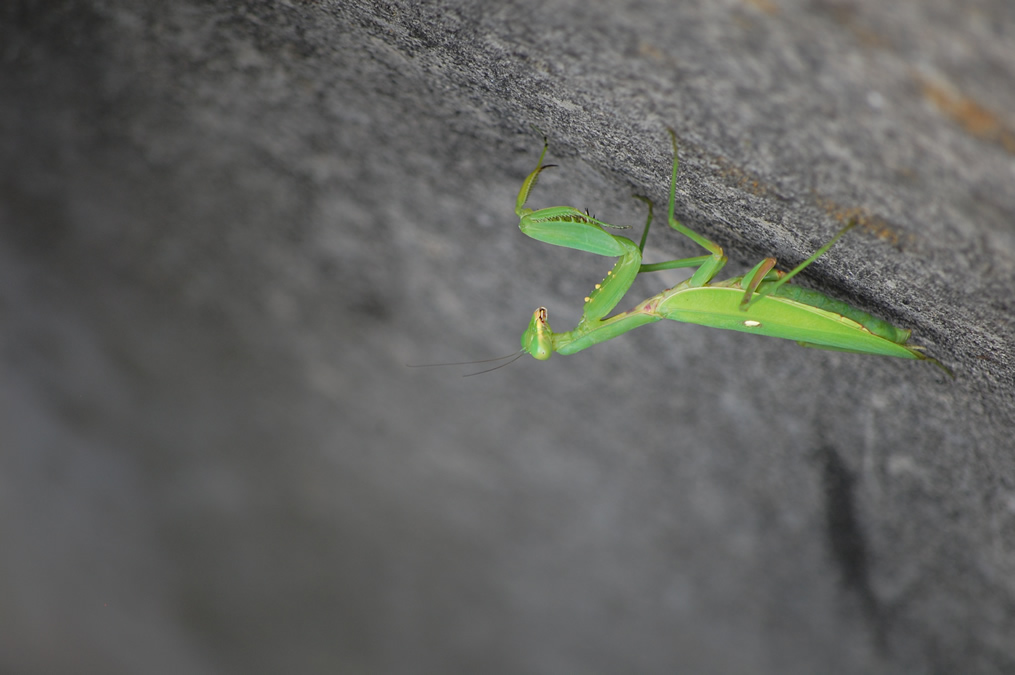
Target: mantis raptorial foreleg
569,227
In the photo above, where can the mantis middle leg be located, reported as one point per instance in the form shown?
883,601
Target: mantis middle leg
708,265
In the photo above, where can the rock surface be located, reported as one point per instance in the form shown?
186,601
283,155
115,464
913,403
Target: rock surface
225,228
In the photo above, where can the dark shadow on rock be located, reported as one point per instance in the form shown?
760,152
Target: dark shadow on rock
847,543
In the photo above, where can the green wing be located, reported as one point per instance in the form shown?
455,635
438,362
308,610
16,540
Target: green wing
783,317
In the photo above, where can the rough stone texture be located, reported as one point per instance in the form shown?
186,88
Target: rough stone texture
225,227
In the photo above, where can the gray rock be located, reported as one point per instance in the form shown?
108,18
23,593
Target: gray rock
226,227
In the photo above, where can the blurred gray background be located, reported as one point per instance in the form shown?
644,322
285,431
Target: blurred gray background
225,228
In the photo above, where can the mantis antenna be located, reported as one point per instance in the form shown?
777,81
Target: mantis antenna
516,355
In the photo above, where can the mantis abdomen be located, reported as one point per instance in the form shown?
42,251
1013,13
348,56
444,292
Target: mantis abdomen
793,313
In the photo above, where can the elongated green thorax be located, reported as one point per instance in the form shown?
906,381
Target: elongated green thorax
539,341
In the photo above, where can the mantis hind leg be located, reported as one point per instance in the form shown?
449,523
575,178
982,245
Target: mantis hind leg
669,264
763,271
784,278
711,264
708,265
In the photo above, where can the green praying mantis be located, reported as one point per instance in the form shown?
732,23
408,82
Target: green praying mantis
760,302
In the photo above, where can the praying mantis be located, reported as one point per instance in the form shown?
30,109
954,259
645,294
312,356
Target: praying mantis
760,302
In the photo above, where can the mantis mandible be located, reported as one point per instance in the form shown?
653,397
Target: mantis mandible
760,302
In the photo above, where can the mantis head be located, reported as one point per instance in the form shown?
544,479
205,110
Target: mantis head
538,337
